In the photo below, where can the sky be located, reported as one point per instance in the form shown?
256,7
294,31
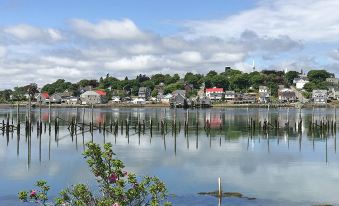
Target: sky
42,41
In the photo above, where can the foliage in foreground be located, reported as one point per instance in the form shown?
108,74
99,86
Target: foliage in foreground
116,186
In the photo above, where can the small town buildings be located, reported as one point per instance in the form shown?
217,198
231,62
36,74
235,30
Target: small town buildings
85,89
229,96
165,99
181,92
264,94
139,101
203,102
72,100
300,82
55,98
93,97
160,88
319,96
333,81
116,99
188,87
178,100
42,98
215,94
246,98
334,93
144,93
286,95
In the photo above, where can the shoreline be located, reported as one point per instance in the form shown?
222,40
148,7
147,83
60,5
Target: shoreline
218,105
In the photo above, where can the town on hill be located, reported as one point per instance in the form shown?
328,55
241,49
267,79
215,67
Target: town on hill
192,90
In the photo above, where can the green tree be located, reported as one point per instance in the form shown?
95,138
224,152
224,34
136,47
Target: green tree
290,76
318,75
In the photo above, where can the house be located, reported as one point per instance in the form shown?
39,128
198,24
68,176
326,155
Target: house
319,96
246,98
181,92
144,93
203,102
264,94
139,101
188,87
286,95
165,99
333,81
178,100
42,98
55,98
229,95
72,100
215,94
85,89
160,88
300,82
93,97
116,99
334,93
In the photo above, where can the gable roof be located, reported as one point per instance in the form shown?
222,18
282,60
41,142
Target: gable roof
45,95
214,89
100,92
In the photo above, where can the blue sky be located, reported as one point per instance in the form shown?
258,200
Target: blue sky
41,41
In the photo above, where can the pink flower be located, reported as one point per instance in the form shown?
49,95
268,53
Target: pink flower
125,173
116,204
33,193
113,178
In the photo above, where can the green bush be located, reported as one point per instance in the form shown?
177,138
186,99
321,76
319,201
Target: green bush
116,186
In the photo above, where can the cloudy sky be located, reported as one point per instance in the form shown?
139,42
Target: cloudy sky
41,41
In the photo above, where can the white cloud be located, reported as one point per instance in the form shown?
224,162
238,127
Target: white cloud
3,51
26,32
108,29
307,20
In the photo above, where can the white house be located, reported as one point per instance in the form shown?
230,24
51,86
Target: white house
319,96
300,82
139,101
229,95
264,94
215,93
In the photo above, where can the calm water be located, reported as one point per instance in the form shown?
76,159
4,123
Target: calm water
283,167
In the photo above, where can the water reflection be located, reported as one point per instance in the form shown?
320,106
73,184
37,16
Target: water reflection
189,149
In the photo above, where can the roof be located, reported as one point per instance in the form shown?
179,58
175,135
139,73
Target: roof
45,95
100,92
214,89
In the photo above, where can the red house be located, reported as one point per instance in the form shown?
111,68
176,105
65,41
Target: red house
215,93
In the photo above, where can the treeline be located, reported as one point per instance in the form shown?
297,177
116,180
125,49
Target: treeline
230,79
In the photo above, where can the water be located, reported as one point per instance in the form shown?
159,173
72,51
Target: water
283,167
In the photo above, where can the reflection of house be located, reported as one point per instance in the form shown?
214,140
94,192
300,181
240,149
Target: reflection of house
319,96
300,82
93,97
215,93
144,92
264,94
42,98
229,95
286,95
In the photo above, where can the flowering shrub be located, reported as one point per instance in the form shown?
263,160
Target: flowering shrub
117,186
